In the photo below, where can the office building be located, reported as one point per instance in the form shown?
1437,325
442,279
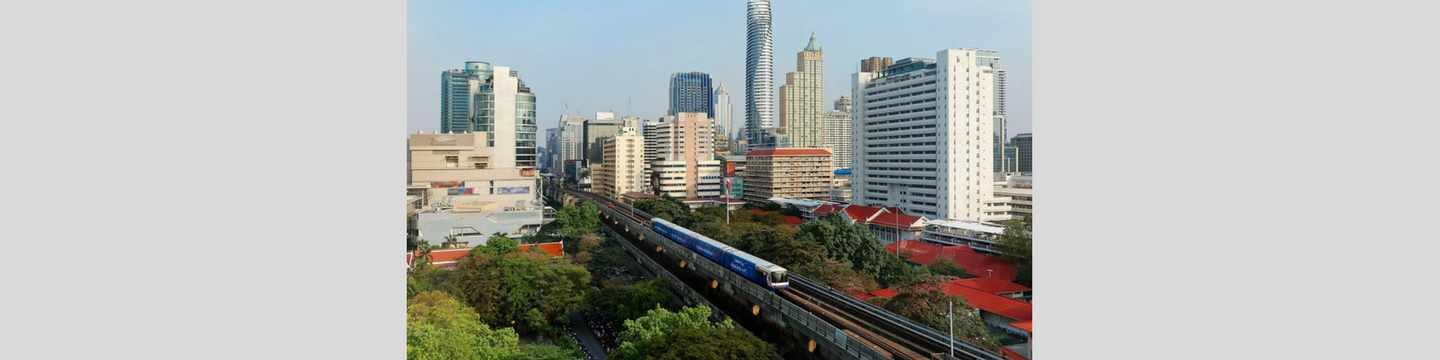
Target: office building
1012,156
691,92
759,70
1011,200
723,121
802,99
492,100
837,133
552,149
1024,151
875,64
991,58
923,135
465,193
572,141
602,126
621,169
682,163
791,173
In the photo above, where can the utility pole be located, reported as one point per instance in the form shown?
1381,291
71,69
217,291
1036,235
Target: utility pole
951,316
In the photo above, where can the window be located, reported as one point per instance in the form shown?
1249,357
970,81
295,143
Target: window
452,162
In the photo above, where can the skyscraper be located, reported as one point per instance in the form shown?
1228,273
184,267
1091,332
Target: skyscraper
875,64
837,132
572,141
723,111
691,92
682,159
802,98
923,132
759,70
991,58
492,100
602,126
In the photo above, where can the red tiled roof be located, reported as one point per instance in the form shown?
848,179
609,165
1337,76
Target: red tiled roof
924,253
794,220
889,219
826,210
884,293
1027,325
556,249
861,213
993,285
1012,355
789,152
1010,308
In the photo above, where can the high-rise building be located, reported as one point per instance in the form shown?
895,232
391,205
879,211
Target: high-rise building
759,70
723,120
793,173
622,168
692,92
1012,154
802,98
923,135
602,126
572,141
837,132
682,162
552,149
1024,151
494,101
875,64
991,58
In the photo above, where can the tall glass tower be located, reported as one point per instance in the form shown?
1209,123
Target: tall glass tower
759,70
691,92
492,100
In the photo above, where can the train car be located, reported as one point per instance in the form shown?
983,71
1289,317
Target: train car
752,268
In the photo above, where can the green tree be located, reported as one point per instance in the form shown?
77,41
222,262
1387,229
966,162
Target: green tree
837,274
1015,244
547,352
632,301
667,208
711,344
660,332
498,244
440,327
947,268
928,305
531,291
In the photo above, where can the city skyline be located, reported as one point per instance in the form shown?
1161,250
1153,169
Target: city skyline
607,57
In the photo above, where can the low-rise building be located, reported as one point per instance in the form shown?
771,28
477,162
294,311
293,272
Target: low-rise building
1011,200
979,236
888,224
622,166
796,173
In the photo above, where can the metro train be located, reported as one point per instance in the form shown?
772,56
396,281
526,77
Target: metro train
754,269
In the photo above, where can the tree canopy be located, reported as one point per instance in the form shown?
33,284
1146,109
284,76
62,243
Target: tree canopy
688,334
439,327
928,305
531,291
632,301
1015,244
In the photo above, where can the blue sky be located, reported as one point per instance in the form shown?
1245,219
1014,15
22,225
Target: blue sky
581,57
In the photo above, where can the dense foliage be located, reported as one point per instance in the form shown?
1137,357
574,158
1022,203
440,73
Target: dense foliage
529,290
928,305
688,334
1016,246
439,327
631,301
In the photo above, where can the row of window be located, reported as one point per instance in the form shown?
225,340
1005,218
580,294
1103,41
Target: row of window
921,101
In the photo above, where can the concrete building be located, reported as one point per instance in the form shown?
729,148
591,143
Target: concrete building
923,135
1011,200
572,141
1024,152
837,133
691,92
622,167
465,195
724,111
682,163
759,70
552,151
602,126
981,237
492,100
802,99
875,64
793,173
840,188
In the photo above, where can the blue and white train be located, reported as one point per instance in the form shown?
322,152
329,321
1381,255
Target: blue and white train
752,268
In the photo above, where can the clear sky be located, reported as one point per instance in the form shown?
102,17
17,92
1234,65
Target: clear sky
581,57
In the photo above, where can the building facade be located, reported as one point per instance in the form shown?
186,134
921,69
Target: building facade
837,133
792,173
622,168
1010,203
923,135
692,92
572,141
724,122
759,70
494,101
682,163
802,99
604,125
1024,152
875,64
463,165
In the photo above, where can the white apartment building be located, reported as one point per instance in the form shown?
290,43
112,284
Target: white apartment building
680,154
1012,200
837,134
622,168
923,135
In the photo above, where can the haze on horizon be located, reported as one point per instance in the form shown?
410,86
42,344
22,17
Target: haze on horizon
582,57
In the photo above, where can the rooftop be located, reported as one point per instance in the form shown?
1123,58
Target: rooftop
975,263
789,152
968,225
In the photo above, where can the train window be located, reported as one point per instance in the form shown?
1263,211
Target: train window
778,277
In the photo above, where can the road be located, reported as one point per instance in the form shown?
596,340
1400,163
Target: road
586,337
